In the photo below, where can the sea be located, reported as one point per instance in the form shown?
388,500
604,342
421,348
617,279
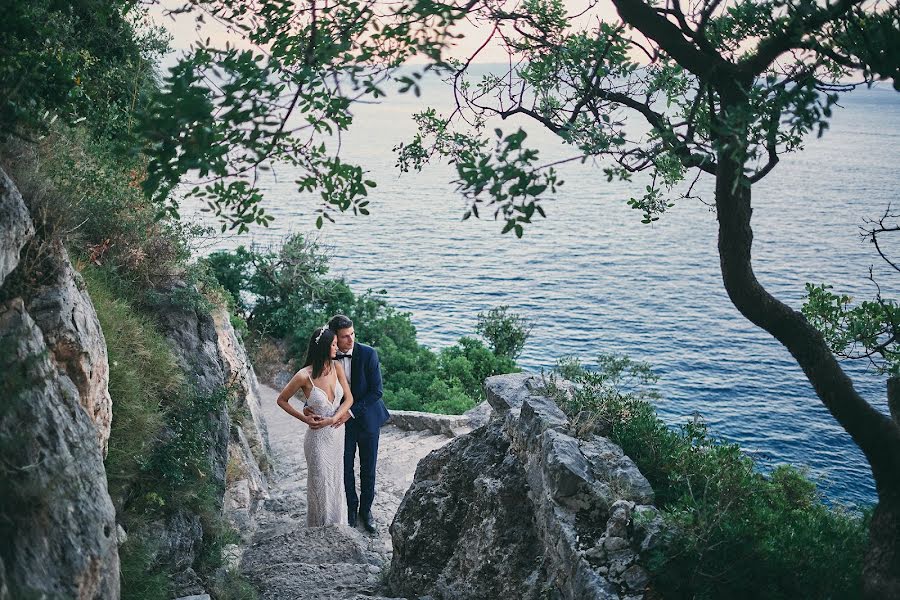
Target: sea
592,279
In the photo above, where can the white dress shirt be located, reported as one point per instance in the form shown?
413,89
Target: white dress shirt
345,362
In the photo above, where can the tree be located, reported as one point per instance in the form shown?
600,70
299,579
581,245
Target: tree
719,88
227,114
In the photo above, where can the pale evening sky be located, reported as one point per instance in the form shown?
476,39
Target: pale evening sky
185,32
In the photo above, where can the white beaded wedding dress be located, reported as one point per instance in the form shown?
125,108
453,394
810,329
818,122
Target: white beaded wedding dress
324,449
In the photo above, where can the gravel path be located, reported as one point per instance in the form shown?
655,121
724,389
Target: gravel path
286,560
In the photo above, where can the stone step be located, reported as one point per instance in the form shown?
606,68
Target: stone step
301,544
301,581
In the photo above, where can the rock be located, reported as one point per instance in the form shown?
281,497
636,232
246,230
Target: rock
239,374
177,539
55,510
520,500
648,527
192,335
507,392
281,379
412,420
479,415
195,597
188,584
4,588
16,227
121,535
239,451
610,465
615,543
619,519
63,310
636,578
232,554
462,530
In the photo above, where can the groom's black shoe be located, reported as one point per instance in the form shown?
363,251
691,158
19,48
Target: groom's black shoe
351,519
368,522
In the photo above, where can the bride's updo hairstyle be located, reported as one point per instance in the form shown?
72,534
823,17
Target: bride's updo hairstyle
318,352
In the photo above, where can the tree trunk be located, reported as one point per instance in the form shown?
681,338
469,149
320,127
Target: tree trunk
875,433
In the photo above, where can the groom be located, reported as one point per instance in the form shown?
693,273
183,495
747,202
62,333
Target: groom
364,422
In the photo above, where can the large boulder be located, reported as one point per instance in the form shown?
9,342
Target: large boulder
465,528
61,307
57,521
16,227
522,508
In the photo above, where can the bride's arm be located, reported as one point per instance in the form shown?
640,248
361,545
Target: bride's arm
344,408
296,382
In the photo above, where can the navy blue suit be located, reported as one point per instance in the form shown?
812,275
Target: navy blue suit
363,429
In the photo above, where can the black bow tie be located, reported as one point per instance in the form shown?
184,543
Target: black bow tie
338,356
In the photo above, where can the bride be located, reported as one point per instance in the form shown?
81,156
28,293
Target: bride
328,396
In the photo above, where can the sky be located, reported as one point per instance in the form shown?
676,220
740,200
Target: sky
185,32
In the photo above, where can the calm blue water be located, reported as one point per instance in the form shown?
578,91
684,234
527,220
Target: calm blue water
593,279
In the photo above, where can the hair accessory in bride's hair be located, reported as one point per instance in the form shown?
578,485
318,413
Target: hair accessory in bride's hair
321,332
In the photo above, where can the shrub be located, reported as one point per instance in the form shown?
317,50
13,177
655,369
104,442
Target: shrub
293,294
505,332
469,363
727,524
447,398
90,61
83,193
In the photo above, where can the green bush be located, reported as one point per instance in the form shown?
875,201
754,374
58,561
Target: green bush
505,332
293,295
447,398
727,524
83,193
140,577
90,61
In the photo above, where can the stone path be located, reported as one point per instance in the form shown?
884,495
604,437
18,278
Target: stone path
286,560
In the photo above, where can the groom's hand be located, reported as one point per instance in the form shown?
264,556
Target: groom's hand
316,422
340,421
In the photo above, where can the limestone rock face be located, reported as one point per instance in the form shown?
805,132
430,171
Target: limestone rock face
521,508
57,521
240,376
179,537
250,462
63,310
191,332
16,227
246,487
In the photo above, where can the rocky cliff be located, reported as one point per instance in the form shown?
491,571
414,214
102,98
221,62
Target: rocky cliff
57,521
521,508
